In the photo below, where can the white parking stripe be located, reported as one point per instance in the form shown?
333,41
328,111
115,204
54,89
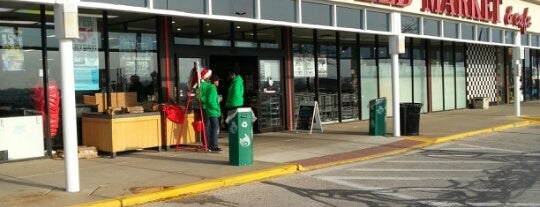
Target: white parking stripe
456,161
414,170
490,148
393,178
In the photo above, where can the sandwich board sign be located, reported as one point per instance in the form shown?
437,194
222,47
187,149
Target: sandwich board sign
308,118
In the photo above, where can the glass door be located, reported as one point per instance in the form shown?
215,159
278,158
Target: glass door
185,65
270,107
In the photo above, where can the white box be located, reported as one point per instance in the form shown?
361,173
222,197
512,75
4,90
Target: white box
22,136
480,103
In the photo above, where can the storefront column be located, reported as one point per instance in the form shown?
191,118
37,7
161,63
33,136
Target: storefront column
518,54
517,58
396,46
67,29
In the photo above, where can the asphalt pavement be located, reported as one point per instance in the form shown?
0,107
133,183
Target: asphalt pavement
147,175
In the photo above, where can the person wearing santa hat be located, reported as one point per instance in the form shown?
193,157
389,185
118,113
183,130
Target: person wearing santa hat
202,92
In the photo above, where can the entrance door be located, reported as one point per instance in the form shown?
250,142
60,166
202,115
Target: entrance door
270,107
185,65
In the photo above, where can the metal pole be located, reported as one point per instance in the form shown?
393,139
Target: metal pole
66,23
517,56
396,46
394,40
517,94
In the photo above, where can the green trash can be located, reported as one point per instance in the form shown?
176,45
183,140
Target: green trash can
377,117
241,137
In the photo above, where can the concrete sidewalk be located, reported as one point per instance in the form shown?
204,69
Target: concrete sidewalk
147,175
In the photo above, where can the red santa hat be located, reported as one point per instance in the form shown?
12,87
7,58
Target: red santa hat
206,73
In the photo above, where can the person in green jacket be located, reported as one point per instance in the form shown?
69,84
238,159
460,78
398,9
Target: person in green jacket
235,96
201,91
213,112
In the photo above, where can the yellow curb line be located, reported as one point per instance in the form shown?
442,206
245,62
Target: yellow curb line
536,119
194,188
433,141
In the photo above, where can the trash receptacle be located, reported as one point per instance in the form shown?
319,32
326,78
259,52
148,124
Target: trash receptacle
241,136
377,117
410,118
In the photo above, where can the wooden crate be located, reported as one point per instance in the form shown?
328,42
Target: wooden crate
122,132
118,99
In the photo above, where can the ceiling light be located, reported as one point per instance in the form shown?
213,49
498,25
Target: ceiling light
238,27
6,9
173,22
209,31
17,22
178,29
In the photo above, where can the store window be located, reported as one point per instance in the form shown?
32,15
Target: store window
450,30
20,65
217,33
279,10
190,6
348,64
378,21
269,36
534,75
448,75
525,39
405,74
235,8
437,92
244,35
328,76
385,71
483,34
348,17
139,3
303,66
314,13
496,35
432,27
534,40
461,88
527,74
420,73
467,31
133,55
186,31
368,73
410,24
509,37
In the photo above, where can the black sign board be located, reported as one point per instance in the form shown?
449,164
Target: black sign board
308,117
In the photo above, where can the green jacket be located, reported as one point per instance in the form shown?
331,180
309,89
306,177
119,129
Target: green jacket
235,98
212,102
203,91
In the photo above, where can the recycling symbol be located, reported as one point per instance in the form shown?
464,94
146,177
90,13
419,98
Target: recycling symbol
233,127
245,141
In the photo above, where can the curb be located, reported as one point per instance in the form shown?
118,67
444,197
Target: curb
432,141
194,188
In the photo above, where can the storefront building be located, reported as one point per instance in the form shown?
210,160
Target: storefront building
335,52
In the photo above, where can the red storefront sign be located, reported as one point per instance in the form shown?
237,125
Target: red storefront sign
397,3
480,10
522,21
483,10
